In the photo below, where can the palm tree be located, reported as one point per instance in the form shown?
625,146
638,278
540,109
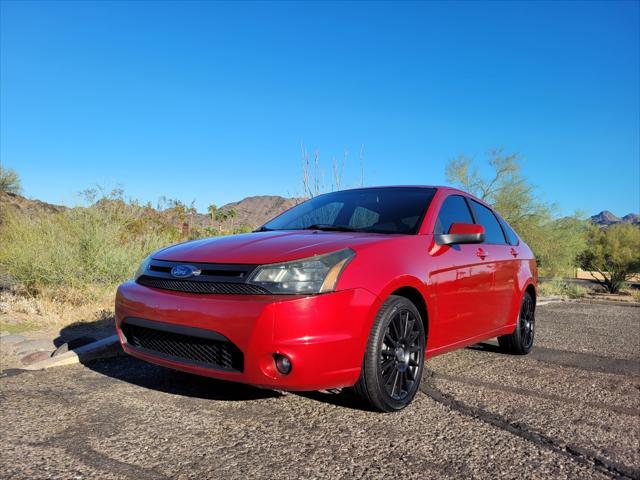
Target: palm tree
212,209
231,213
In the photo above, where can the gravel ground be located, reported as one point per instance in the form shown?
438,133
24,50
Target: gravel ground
570,409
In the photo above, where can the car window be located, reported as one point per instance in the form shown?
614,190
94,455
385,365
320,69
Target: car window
324,214
485,217
454,210
512,238
389,210
363,217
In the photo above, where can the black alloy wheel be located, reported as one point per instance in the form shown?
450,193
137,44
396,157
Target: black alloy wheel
400,355
520,342
394,358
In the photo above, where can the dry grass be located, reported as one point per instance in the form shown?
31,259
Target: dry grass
21,312
562,288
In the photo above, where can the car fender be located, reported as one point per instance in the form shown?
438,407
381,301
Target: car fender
397,283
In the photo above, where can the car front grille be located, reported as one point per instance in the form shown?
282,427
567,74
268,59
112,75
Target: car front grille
202,287
210,351
212,278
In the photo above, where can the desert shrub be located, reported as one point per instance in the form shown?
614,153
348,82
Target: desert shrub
556,243
633,292
557,286
80,250
614,253
9,180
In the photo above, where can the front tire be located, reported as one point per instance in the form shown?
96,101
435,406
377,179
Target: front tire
394,359
520,342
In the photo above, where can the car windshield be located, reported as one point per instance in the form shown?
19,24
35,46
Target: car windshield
375,210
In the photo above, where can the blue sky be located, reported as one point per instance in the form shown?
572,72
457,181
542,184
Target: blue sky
211,101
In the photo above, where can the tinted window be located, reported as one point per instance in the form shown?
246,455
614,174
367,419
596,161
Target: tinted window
453,210
486,218
512,238
325,214
363,217
379,210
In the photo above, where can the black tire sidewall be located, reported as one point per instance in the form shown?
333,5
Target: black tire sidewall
523,348
376,391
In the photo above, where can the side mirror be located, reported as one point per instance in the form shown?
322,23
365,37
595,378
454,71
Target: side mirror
461,233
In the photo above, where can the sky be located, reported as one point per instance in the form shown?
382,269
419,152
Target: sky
212,101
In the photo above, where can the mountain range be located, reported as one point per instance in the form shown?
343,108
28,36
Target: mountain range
255,211
606,218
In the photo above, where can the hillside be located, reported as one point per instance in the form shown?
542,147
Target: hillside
254,211
251,211
606,218
28,206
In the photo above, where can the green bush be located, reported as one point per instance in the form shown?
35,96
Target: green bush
614,253
9,180
80,249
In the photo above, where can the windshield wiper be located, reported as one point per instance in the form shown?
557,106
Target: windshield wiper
327,227
262,229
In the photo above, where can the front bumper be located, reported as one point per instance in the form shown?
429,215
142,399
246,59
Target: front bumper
324,336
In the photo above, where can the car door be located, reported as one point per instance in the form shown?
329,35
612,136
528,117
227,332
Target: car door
498,259
460,279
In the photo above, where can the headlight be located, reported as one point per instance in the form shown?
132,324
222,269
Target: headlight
142,268
317,274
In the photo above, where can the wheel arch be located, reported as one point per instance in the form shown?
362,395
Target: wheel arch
531,290
415,296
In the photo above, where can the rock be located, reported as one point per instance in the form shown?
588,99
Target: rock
8,340
34,357
28,346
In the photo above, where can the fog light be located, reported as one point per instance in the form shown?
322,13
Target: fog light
283,364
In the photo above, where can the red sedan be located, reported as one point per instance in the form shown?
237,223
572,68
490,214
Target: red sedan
348,289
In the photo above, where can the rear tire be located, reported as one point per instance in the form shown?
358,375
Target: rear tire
520,342
394,358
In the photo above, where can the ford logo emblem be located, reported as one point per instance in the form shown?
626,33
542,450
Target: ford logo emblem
184,271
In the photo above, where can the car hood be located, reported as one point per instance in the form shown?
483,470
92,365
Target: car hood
267,247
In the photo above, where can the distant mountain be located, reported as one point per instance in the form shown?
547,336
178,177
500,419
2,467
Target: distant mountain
250,211
632,218
255,211
606,218
28,206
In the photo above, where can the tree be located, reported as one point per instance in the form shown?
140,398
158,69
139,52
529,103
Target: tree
555,242
613,253
9,180
212,210
231,213
221,217
506,189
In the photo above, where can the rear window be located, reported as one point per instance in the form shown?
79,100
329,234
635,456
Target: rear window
512,237
486,218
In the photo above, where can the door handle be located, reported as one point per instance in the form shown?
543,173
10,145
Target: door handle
482,253
514,252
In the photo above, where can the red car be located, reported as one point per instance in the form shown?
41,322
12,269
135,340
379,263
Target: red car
351,288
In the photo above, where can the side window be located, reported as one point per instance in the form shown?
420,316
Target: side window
486,218
512,238
453,210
